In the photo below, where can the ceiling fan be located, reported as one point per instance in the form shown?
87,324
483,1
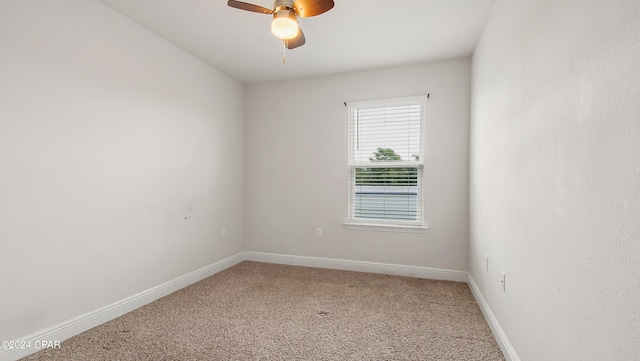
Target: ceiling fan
285,17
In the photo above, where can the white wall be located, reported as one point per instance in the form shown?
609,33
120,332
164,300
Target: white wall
555,175
109,135
296,166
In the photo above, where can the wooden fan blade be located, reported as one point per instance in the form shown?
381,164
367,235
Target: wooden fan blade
308,8
295,42
249,7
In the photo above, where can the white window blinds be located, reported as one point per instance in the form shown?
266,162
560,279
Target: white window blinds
386,160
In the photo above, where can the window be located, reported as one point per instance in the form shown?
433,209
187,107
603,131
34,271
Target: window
386,155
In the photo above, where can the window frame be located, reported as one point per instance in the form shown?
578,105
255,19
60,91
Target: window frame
393,225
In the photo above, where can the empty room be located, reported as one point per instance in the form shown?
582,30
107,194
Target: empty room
320,180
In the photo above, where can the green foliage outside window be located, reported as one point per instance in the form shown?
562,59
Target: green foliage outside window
403,176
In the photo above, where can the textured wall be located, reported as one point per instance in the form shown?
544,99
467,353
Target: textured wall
109,135
555,176
297,166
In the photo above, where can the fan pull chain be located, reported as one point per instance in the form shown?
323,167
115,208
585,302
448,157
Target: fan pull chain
284,51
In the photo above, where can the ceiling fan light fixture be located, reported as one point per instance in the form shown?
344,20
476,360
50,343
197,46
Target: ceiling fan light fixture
285,24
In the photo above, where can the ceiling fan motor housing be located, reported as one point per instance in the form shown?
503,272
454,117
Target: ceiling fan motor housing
283,3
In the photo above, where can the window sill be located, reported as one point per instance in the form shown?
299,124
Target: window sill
381,227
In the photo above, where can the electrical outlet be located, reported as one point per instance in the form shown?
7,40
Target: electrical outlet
486,262
319,232
503,280
223,233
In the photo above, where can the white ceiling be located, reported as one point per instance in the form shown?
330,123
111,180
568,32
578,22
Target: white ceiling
354,35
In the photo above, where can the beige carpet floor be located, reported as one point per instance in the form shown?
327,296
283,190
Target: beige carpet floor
258,311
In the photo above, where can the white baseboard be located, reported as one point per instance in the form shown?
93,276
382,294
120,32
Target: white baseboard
359,266
506,347
70,328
